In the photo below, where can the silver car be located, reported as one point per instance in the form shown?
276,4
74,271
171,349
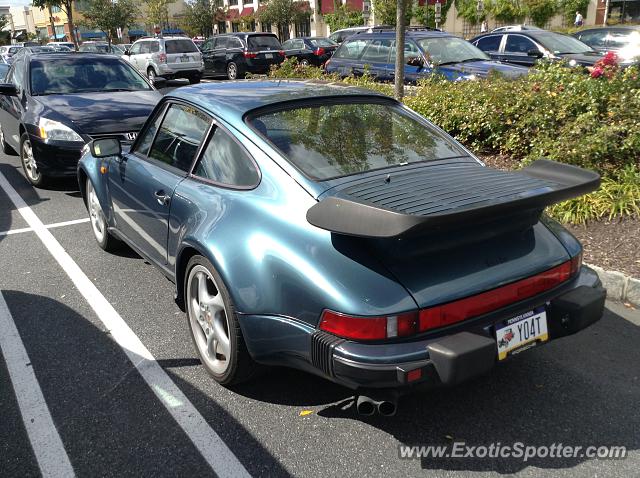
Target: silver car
169,57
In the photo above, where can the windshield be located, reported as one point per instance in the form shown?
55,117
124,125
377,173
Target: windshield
180,46
330,140
40,49
444,50
322,42
269,42
81,75
559,44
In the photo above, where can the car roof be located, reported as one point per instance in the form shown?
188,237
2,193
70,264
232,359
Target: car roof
417,33
232,100
630,28
69,54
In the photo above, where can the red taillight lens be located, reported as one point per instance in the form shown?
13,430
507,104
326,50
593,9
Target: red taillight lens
362,328
248,54
576,263
453,312
163,57
319,51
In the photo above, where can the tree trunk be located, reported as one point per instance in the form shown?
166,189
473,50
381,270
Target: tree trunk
53,25
68,9
399,80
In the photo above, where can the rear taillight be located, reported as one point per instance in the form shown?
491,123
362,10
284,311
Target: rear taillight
248,54
163,58
319,51
369,328
411,323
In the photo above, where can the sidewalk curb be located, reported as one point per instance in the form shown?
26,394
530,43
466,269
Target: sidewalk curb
619,286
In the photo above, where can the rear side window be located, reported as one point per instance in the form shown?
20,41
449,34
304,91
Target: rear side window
380,135
377,51
180,46
154,47
351,49
145,47
491,43
267,42
225,162
179,136
221,42
322,42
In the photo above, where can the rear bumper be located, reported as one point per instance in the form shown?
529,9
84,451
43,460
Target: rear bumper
459,353
56,160
166,70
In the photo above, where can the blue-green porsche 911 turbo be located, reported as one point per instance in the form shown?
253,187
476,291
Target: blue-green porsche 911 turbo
334,230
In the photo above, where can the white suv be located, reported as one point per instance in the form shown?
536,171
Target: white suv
169,57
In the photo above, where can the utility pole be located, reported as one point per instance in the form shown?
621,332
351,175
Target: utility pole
606,14
399,79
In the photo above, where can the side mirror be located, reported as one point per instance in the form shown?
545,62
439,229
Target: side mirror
127,52
159,82
105,147
415,61
534,52
8,89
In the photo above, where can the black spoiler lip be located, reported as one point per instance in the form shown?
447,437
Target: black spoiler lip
349,216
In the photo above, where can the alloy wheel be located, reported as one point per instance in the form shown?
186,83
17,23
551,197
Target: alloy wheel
151,74
98,223
208,319
30,166
232,71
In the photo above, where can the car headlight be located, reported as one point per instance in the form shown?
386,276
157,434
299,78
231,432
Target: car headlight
54,130
572,63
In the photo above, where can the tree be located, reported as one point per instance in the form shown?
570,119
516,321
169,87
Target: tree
507,11
386,11
67,7
570,7
426,14
200,16
157,11
468,10
3,22
401,12
343,17
107,16
540,11
283,13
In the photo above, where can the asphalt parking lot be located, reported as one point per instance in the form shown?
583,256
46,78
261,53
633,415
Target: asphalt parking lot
110,408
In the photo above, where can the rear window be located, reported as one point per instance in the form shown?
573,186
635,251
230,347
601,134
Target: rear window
180,46
322,42
269,42
350,50
331,140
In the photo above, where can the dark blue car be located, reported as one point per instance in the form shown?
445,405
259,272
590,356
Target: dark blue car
334,230
426,52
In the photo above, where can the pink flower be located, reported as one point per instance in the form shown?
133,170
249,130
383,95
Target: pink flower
597,72
610,59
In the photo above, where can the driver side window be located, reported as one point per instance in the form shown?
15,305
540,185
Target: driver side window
135,49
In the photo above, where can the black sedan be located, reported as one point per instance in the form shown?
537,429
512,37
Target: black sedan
310,50
528,46
53,104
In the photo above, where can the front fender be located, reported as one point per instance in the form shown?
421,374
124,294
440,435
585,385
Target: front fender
89,168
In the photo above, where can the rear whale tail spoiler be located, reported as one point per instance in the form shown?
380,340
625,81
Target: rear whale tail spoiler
355,211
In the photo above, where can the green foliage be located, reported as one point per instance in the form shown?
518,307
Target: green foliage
157,11
425,15
568,8
507,11
555,112
199,17
540,11
282,12
385,11
108,16
468,10
3,22
343,17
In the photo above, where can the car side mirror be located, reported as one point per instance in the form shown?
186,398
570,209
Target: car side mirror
535,53
8,89
415,61
159,82
127,52
105,147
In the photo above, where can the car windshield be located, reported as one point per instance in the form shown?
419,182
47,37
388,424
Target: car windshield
446,50
322,42
337,139
41,49
269,42
81,75
560,44
180,46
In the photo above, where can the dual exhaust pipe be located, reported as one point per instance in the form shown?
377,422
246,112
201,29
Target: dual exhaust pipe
383,403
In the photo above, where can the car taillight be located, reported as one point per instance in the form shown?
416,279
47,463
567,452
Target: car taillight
319,51
248,54
163,57
369,328
411,323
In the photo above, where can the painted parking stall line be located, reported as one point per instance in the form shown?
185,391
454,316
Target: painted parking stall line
45,441
48,226
213,449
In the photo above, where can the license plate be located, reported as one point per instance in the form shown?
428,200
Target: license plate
184,59
268,55
521,332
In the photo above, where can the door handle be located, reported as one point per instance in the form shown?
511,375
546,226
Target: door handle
162,198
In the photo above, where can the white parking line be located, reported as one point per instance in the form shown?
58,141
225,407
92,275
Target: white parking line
10,232
213,449
43,435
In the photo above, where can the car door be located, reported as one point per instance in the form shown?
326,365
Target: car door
375,59
220,55
490,44
517,48
411,72
134,53
207,55
142,183
12,107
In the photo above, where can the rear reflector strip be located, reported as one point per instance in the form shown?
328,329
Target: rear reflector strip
411,323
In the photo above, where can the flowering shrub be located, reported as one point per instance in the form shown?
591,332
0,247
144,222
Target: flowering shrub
607,66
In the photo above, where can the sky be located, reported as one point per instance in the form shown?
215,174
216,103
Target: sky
14,3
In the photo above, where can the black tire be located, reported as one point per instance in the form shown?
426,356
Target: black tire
194,80
241,366
6,149
151,74
98,222
29,165
234,72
